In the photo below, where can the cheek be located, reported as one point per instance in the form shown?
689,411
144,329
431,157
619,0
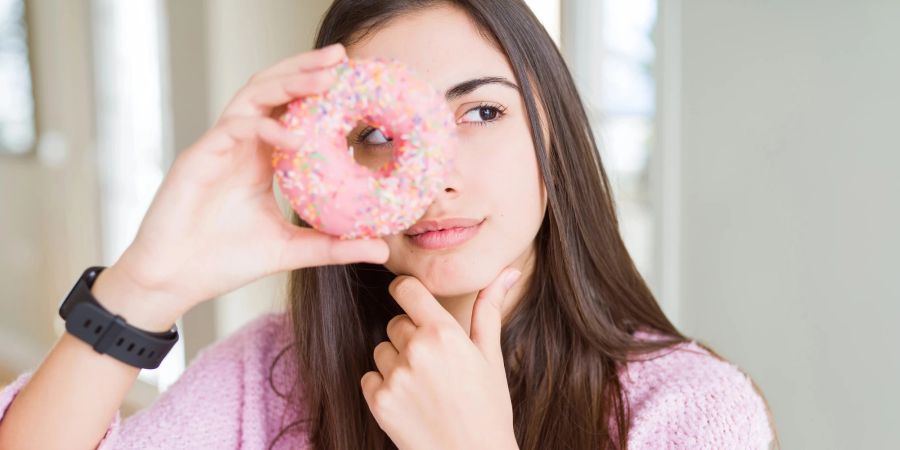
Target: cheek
511,179
500,179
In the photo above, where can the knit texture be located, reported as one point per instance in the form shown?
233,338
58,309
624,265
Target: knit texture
683,398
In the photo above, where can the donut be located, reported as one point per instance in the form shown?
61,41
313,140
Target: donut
322,181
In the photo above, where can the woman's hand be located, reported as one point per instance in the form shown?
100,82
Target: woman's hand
436,387
214,224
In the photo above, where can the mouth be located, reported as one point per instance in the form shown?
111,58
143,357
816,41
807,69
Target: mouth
443,234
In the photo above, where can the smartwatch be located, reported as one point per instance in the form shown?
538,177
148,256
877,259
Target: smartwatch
109,333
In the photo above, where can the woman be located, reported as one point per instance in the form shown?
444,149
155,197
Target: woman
522,324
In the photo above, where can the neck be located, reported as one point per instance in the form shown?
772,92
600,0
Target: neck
460,306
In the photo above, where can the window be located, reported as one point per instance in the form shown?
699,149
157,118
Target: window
610,50
17,118
132,130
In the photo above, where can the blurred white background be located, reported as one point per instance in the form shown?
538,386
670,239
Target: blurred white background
752,147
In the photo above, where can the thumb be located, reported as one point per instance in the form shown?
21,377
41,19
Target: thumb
487,314
308,247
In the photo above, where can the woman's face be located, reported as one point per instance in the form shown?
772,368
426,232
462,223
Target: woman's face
494,185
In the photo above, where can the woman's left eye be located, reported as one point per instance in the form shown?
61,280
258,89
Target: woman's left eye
482,113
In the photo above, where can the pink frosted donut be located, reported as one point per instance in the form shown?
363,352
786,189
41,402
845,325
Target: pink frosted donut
321,179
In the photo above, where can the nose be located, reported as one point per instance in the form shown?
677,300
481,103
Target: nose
452,180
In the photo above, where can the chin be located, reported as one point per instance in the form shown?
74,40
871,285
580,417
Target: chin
449,275
447,287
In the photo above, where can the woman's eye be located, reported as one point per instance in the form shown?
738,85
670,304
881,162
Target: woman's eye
373,136
484,113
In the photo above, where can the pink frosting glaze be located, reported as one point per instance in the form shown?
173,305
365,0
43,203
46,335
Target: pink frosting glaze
323,182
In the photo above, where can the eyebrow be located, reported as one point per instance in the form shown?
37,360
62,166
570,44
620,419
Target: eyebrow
470,85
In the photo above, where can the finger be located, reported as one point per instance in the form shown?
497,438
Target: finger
225,136
487,314
306,247
260,97
386,358
370,382
312,60
418,303
400,330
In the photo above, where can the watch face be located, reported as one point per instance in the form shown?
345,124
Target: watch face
72,298
68,301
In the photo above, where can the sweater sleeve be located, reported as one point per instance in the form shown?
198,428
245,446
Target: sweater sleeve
695,401
202,409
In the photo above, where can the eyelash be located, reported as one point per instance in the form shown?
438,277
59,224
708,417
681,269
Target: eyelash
498,108
361,137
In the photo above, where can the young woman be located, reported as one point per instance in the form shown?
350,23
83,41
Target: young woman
522,324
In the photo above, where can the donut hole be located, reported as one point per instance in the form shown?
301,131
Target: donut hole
372,147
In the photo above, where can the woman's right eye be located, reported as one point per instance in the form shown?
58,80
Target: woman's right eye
373,136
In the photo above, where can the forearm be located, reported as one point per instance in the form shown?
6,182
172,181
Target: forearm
73,396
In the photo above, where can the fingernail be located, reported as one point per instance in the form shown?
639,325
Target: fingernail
511,278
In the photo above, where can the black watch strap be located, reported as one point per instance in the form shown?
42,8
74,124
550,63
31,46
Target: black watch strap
109,333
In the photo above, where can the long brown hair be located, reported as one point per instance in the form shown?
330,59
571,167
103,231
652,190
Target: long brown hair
572,330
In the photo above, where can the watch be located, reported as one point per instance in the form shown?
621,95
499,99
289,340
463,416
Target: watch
109,333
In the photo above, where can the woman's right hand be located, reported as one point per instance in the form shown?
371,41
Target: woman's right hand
214,224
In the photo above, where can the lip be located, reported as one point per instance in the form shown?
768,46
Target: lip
444,233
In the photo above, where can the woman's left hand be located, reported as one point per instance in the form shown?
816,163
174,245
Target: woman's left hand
436,387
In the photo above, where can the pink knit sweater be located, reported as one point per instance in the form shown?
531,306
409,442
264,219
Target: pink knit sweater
683,399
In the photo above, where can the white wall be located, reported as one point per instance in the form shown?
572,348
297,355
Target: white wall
790,205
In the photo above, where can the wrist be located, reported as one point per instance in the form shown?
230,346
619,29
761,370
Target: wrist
142,308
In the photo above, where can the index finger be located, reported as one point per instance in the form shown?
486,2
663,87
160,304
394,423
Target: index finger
418,303
261,97
319,58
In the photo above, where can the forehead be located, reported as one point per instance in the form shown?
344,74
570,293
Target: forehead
441,43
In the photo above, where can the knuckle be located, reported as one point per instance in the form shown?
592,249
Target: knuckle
395,321
380,349
293,84
391,323
233,128
440,334
231,123
402,286
416,352
401,376
243,96
381,402
320,78
240,97
254,79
